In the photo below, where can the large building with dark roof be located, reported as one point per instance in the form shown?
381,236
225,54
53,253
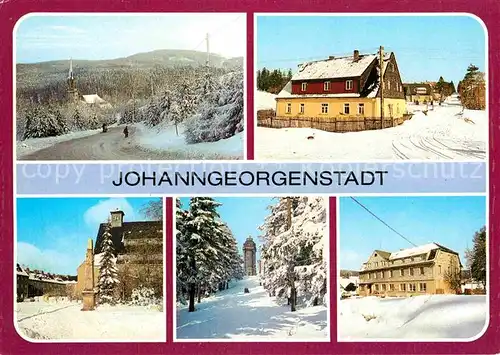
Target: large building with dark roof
138,249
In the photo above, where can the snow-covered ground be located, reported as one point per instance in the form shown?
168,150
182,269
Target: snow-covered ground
167,139
265,100
443,134
419,317
65,320
34,144
233,314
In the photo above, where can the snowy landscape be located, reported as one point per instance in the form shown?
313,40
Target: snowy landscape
61,319
80,290
233,314
418,317
223,295
444,133
165,99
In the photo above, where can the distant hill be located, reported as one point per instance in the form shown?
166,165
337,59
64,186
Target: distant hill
167,58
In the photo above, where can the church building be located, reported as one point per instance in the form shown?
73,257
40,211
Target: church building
92,100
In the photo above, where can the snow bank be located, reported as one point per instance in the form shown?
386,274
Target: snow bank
65,320
34,144
167,139
265,101
233,314
420,317
443,134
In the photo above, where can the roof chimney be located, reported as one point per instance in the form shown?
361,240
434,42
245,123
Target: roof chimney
117,218
356,55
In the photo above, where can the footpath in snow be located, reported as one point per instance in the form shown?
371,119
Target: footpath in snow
443,134
419,317
233,314
65,320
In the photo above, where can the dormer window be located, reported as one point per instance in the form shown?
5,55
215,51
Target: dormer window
326,86
304,86
348,85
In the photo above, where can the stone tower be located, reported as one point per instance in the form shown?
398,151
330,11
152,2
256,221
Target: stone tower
72,90
249,257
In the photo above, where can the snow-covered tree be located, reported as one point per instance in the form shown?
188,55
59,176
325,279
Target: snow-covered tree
207,257
108,274
293,252
221,113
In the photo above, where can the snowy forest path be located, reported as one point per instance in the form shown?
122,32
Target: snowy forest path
111,145
235,314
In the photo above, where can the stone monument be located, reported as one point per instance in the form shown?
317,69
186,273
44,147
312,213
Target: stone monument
88,292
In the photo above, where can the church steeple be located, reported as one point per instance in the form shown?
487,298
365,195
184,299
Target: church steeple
70,74
72,91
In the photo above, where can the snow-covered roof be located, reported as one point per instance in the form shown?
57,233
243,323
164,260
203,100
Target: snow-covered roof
423,249
93,99
342,67
345,281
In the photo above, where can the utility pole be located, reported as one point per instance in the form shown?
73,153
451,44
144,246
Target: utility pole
381,61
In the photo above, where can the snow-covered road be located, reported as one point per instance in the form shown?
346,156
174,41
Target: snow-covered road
238,315
419,317
443,134
112,145
65,320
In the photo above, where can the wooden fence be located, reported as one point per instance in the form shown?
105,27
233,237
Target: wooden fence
267,118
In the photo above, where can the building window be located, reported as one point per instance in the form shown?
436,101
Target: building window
423,287
348,85
302,108
304,87
381,274
439,266
326,86
346,109
397,109
411,272
324,108
376,263
384,287
422,271
288,108
388,85
374,275
390,273
402,287
361,109
401,272
391,287
376,287
412,287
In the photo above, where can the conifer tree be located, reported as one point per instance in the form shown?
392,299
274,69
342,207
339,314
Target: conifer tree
108,274
478,260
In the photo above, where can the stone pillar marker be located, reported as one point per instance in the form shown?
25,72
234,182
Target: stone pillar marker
88,284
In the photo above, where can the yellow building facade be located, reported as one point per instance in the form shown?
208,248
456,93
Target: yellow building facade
339,107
